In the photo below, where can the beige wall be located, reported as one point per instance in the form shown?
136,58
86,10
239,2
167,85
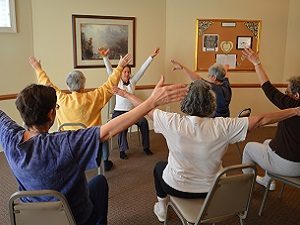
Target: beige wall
53,44
14,51
292,52
181,38
45,30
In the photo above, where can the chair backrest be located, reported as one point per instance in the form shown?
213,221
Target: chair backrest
230,195
244,113
76,125
46,213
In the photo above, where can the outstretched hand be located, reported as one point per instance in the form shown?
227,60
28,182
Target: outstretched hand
169,93
103,51
176,65
119,91
155,52
249,54
125,60
36,64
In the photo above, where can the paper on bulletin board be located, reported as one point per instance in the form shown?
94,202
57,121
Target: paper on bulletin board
229,59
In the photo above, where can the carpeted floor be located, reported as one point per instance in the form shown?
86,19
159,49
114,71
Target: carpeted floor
132,194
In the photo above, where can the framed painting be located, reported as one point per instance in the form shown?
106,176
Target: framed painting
92,32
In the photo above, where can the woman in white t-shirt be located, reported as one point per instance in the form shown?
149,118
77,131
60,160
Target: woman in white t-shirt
197,143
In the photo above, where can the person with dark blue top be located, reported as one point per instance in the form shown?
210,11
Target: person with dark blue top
218,79
41,160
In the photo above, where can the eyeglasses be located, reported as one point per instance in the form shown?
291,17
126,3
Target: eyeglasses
57,106
288,92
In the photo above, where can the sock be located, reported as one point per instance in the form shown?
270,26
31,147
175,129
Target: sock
162,202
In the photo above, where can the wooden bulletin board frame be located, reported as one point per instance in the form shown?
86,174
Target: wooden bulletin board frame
222,41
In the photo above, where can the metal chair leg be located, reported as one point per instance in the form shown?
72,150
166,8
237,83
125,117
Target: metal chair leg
264,198
281,191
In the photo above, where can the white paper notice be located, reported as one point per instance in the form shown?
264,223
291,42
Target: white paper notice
229,59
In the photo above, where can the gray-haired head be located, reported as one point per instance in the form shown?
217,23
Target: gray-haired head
218,71
75,80
200,100
294,84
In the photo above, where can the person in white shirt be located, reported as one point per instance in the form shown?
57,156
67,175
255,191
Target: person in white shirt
128,83
197,142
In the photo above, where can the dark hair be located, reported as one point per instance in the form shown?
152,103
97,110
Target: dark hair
200,100
34,103
129,67
294,84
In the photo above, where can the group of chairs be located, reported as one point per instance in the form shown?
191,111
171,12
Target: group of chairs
229,196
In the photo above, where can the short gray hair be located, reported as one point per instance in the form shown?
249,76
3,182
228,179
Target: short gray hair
200,100
75,80
294,84
218,71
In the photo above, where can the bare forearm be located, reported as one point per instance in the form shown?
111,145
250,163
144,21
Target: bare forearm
270,118
133,99
262,75
191,74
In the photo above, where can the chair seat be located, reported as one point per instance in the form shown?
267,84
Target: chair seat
294,181
189,208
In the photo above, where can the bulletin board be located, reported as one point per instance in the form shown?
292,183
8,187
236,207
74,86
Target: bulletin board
222,41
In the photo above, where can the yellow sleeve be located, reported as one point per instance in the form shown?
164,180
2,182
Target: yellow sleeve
44,80
105,90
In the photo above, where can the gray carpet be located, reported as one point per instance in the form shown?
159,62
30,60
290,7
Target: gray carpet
132,195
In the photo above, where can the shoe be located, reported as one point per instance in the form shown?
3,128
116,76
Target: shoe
148,151
261,180
160,212
123,155
108,165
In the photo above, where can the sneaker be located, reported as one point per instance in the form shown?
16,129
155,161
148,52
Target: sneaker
108,165
261,180
160,212
148,151
123,155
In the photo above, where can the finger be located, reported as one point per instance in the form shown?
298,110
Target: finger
161,81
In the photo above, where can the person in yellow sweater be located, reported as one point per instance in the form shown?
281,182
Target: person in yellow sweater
80,106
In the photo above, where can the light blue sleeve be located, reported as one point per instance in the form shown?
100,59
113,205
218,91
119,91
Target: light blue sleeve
108,66
141,71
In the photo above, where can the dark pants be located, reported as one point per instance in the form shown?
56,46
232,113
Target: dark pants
98,188
163,189
122,137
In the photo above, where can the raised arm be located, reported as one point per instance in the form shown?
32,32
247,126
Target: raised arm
139,74
190,74
40,73
161,95
105,90
249,54
270,118
104,53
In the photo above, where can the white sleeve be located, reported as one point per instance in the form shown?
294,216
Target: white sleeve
108,66
237,129
142,70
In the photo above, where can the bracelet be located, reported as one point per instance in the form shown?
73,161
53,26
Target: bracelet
257,63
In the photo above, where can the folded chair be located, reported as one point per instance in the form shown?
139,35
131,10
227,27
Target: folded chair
40,213
292,181
65,126
244,113
229,196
